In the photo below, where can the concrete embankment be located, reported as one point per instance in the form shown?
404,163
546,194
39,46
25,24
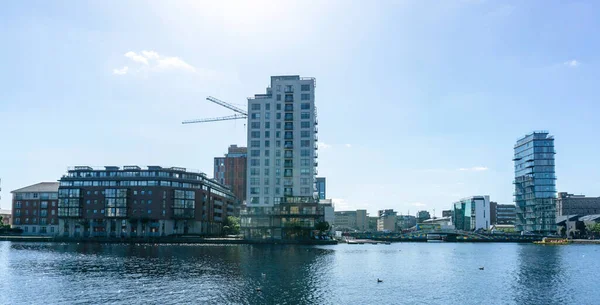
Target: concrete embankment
163,240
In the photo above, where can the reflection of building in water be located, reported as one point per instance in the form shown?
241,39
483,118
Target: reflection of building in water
540,276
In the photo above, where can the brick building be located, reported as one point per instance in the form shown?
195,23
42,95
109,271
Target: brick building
136,202
34,209
230,170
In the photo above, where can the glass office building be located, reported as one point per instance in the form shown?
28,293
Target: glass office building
535,183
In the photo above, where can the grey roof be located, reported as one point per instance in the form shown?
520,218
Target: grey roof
42,187
595,218
563,218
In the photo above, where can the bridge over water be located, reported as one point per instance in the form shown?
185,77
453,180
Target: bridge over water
447,235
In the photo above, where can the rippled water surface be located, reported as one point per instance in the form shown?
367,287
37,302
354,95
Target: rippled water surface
412,273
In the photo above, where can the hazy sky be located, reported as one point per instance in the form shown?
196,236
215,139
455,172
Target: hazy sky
419,102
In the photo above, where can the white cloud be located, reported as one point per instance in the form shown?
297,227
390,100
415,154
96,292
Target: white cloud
121,71
473,169
348,145
418,204
137,58
150,54
572,63
174,63
323,145
157,62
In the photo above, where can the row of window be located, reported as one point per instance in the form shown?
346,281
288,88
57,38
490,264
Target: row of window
256,162
21,196
34,221
43,204
288,153
43,213
286,173
75,193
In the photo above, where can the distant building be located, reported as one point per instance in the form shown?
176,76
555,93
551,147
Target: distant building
472,213
34,209
141,202
6,217
441,223
351,220
386,221
569,204
372,223
230,170
328,211
404,222
447,213
422,216
502,214
535,183
321,187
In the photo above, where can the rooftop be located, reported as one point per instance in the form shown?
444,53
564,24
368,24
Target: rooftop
42,187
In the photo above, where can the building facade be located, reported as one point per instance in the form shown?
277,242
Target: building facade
141,202
230,170
351,220
535,183
504,214
386,221
34,209
282,201
6,217
447,213
321,186
404,222
422,216
569,204
472,213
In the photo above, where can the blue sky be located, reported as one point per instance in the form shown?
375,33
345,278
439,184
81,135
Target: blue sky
419,102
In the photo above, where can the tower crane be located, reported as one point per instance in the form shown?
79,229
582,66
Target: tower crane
240,113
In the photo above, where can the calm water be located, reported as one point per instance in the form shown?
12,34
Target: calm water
412,273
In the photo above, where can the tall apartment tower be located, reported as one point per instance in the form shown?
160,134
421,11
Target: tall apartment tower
282,201
535,183
230,170
282,142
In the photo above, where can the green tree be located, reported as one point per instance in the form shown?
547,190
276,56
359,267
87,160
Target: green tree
596,228
231,225
322,226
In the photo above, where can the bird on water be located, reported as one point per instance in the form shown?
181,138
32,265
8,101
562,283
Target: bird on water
480,268
379,281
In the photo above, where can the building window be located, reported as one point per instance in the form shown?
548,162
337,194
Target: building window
279,97
266,171
254,171
255,116
277,162
255,134
267,106
255,125
304,87
278,107
254,190
305,124
305,153
255,106
255,143
267,162
305,97
267,153
305,106
267,134
255,153
267,115
267,143
277,172
278,153
304,162
305,115
267,125
304,181
305,143
254,162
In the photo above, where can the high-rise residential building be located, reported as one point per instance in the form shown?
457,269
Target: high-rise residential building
34,209
141,202
321,187
351,220
282,160
472,213
386,221
230,170
569,204
535,183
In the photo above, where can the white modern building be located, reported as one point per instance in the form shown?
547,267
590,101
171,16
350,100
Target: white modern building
282,157
282,141
472,213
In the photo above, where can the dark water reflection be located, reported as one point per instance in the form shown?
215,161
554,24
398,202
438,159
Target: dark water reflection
413,273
